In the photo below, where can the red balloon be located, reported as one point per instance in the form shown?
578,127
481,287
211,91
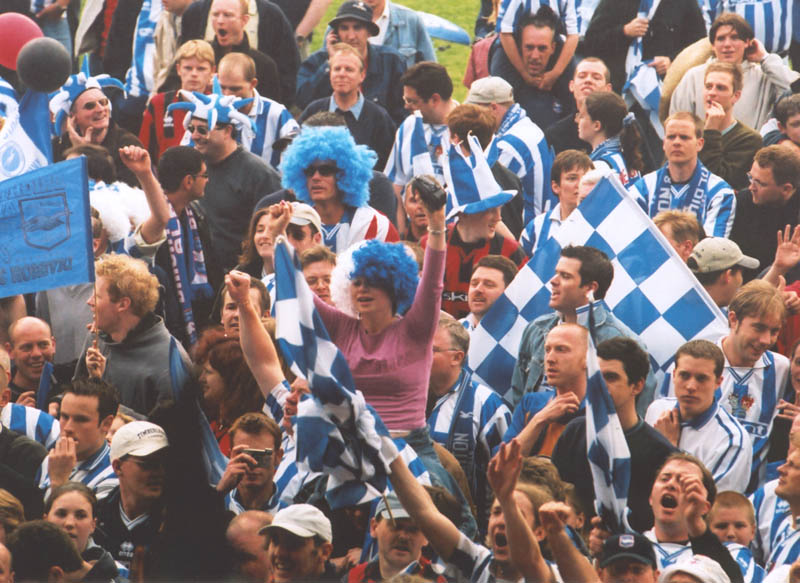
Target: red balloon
15,31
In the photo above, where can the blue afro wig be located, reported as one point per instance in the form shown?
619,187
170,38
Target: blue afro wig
390,267
355,163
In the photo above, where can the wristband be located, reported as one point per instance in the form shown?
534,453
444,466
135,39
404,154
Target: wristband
437,231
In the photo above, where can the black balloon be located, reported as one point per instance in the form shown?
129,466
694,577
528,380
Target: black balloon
44,64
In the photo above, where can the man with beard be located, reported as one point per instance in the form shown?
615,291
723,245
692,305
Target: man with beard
400,543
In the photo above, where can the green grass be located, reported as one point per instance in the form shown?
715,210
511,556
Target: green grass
451,55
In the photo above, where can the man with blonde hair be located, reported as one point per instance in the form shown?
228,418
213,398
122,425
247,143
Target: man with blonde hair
133,344
194,63
368,121
681,229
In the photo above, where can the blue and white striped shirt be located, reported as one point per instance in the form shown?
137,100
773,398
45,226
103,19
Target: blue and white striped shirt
523,149
717,439
510,12
706,195
273,122
32,422
95,472
771,19
417,149
751,395
770,512
490,417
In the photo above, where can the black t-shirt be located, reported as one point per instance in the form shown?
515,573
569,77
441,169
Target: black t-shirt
648,450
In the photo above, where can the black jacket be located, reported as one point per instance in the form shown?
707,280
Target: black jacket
675,25
275,39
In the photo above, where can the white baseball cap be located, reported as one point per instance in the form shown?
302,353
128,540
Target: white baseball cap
303,520
699,566
139,438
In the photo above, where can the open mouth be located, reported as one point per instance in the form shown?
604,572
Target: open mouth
669,501
500,539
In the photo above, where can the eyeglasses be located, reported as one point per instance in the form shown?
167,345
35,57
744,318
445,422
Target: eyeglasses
202,130
90,105
324,169
436,349
203,175
756,181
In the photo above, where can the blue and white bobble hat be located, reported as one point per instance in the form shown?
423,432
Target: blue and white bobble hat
471,188
61,101
214,108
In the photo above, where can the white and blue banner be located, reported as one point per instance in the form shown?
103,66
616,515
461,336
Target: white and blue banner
643,85
24,132
653,292
337,433
607,451
45,229
214,461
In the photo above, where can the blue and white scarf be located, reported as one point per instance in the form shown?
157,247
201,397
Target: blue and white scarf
643,85
692,196
194,282
512,116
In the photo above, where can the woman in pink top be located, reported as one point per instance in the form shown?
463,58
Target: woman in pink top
388,342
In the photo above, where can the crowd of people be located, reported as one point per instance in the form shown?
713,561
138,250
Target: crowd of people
149,420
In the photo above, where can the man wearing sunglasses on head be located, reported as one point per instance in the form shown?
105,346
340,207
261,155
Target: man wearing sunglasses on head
237,179
83,116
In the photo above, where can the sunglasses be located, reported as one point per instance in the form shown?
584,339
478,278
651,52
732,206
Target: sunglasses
202,130
326,169
90,105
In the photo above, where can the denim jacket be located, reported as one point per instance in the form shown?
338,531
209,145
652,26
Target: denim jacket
407,35
529,369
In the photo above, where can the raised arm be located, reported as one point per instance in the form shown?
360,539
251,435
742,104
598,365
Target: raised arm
436,527
572,564
525,552
259,351
138,161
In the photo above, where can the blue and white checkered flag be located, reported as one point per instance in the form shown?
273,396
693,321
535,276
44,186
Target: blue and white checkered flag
653,292
607,450
214,460
642,85
337,433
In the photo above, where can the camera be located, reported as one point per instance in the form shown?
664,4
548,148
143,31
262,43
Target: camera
433,196
263,457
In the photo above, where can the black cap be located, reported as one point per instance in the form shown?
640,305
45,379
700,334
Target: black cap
627,546
355,10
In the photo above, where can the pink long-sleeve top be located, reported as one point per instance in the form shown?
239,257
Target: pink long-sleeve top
392,368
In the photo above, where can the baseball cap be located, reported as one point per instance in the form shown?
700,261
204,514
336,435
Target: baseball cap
355,10
490,90
303,520
699,566
394,505
715,254
304,214
139,438
630,546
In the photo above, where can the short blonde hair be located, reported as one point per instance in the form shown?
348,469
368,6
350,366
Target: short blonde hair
344,48
128,277
197,49
685,226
